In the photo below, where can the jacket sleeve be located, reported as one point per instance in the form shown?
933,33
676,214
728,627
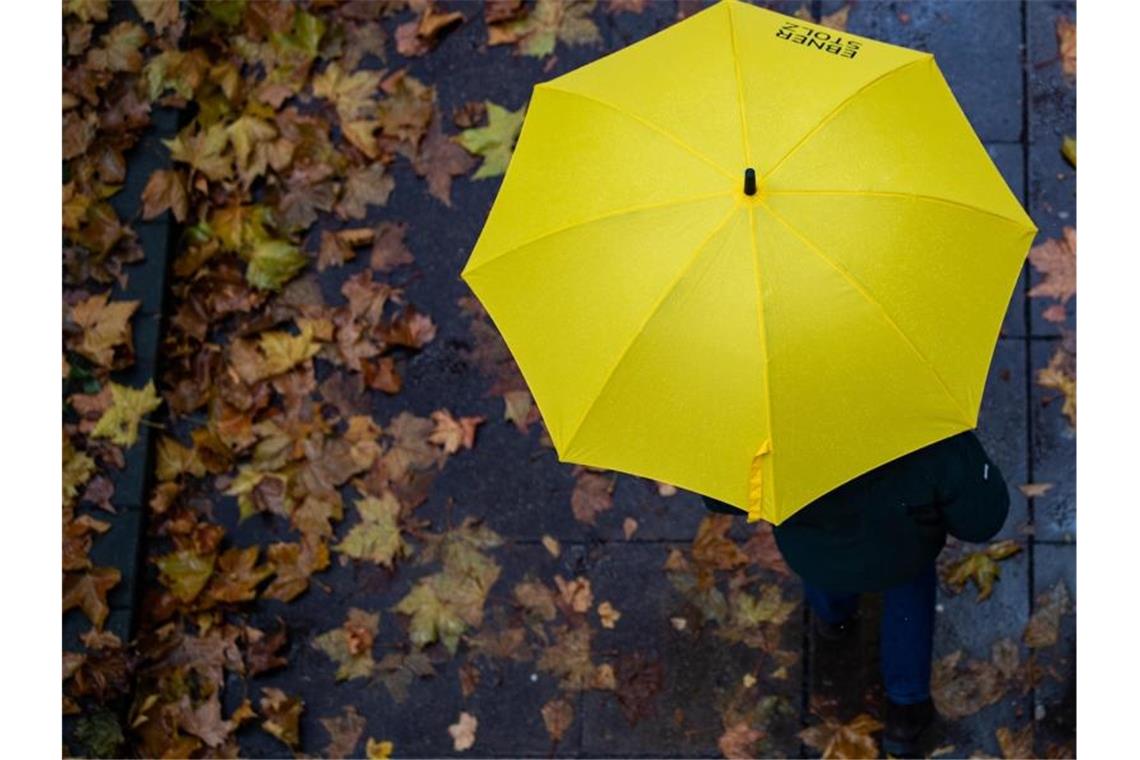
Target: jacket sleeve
972,491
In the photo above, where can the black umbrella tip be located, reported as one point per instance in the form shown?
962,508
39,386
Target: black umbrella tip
750,181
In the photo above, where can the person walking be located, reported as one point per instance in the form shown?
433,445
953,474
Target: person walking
882,532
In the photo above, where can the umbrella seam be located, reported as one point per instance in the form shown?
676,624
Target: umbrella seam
645,323
763,326
843,104
915,196
870,298
647,124
739,88
599,218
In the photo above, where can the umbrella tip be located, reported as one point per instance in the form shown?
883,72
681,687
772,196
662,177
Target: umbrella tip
750,181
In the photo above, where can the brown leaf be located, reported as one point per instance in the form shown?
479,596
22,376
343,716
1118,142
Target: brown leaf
451,433
282,716
844,740
363,187
388,248
1056,258
1067,45
439,158
711,547
1033,490
88,591
738,742
166,189
1061,375
1016,746
1043,629
344,732
105,326
592,495
961,689
463,731
557,716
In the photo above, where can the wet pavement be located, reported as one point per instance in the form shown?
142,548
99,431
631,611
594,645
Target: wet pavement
999,58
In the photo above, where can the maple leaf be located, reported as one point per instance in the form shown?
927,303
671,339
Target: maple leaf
844,740
1043,629
411,447
353,94
344,733
203,149
273,353
980,567
438,158
575,594
836,20
87,10
364,187
272,263
249,136
537,598
161,14
570,660
417,38
495,141
963,688
463,731
293,564
121,421
166,189
451,433
738,742
237,575
105,326
282,715
769,607
592,495
1061,375
376,537
549,22
405,114
119,50
388,248
1056,258
186,572
337,247
350,646
557,716
1067,45
78,468
711,547
88,591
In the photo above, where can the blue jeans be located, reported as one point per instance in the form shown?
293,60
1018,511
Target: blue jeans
906,636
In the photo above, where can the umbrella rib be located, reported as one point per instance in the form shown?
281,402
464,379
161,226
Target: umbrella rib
843,104
914,196
870,298
598,218
763,325
696,254
739,87
648,125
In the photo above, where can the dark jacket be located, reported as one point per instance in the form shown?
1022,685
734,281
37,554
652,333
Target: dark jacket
886,526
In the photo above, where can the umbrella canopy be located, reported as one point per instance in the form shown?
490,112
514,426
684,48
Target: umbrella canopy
752,257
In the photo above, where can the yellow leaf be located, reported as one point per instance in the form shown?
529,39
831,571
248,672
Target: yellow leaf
121,421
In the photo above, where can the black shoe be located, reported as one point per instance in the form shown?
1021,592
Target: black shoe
835,632
905,724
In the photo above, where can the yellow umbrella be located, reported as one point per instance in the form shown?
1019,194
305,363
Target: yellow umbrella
750,256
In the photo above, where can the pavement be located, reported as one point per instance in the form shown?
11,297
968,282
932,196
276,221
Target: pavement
999,58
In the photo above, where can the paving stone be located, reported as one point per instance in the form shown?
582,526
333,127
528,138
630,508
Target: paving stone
146,280
976,44
1053,206
1054,451
1010,161
964,623
119,547
1003,428
1056,697
507,704
1052,99
702,673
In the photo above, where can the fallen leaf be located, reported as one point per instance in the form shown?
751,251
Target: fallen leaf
1056,259
608,615
388,248
120,422
88,591
592,495
1043,629
272,263
166,189
438,159
376,537
844,740
980,567
1016,745
105,326
1033,490
546,24
344,732
350,645
282,716
557,716
961,688
451,433
552,545
495,141
836,20
186,572
1069,150
463,731
576,594
1067,45
1061,375
629,527
738,742
378,750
